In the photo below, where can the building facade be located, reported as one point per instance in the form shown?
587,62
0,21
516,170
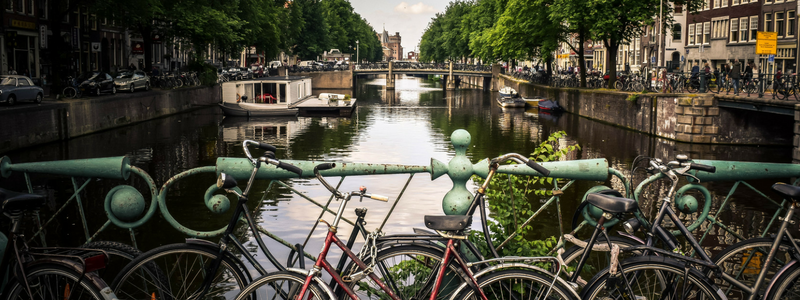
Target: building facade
391,46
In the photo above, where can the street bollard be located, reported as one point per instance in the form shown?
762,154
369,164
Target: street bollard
702,82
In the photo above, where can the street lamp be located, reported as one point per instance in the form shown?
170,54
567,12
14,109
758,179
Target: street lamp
357,60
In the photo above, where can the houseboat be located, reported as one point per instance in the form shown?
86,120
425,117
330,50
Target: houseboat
273,96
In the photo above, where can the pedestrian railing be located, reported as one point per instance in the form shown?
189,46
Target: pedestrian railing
127,207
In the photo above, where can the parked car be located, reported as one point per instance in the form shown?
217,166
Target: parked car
132,80
307,65
15,88
258,70
234,73
96,83
245,73
275,64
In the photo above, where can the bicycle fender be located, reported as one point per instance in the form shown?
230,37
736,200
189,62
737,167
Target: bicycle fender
325,287
91,277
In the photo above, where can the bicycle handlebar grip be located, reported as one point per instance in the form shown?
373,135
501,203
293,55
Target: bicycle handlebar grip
538,168
290,168
379,198
267,147
706,168
325,166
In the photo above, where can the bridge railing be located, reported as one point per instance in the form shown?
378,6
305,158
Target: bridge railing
405,66
472,67
372,66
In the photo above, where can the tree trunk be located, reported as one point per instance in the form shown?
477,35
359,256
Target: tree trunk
612,46
581,56
147,42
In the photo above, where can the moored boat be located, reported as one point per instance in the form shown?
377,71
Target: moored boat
510,102
274,96
507,91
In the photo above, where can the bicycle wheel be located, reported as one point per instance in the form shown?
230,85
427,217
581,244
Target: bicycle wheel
619,85
283,285
690,86
785,286
655,278
70,92
596,259
518,284
184,266
51,281
407,270
743,261
750,87
781,92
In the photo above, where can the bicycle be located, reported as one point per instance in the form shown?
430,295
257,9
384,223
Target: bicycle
72,90
668,273
505,279
209,269
48,273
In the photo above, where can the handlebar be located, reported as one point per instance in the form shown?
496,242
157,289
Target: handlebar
268,157
522,160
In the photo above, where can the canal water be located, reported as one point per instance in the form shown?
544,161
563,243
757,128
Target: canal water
410,125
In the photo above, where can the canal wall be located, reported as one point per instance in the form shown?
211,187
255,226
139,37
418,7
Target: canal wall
330,79
34,125
690,118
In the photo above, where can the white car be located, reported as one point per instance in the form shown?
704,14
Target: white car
275,64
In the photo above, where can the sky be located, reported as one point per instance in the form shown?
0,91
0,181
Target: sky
408,17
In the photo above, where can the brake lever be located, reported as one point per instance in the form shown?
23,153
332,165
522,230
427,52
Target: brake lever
684,172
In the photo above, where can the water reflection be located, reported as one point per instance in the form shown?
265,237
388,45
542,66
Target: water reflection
409,125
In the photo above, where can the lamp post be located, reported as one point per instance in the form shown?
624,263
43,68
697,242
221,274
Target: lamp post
357,60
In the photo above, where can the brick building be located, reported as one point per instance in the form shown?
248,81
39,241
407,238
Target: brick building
391,46
722,31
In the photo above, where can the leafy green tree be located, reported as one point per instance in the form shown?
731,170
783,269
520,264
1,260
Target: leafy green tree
480,21
313,38
144,17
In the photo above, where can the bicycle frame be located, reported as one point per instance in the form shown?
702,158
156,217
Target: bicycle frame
331,238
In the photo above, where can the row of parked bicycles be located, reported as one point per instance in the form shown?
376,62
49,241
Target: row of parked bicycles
440,262
781,87
175,80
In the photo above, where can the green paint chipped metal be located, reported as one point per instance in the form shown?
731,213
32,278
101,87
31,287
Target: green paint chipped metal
107,167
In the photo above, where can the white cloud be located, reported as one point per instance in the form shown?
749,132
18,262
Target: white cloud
419,8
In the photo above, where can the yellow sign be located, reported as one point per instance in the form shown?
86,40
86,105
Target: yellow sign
23,24
767,43
563,55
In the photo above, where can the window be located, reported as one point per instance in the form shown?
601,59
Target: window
691,34
724,3
678,9
735,2
743,29
717,3
42,9
734,30
779,24
768,23
676,31
791,23
18,5
753,27
652,34
29,7
767,1
699,31
706,32
707,5
23,82
9,5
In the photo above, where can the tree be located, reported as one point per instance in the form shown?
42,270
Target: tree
575,19
314,34
137,15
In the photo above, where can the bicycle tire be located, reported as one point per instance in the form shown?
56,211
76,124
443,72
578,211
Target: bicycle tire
731,261
137,280
690,87
518,284
665,271
618,85
290,284
417,262
785,285
70,92
596,258
781,92
53,281
638,87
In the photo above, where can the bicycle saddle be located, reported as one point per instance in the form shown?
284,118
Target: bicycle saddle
787,190
612,203
448,223
13,201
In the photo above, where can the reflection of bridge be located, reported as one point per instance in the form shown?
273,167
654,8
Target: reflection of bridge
451,72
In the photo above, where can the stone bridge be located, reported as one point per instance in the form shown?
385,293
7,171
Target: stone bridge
450,72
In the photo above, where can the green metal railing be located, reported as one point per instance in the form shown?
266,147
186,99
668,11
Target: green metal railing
126,207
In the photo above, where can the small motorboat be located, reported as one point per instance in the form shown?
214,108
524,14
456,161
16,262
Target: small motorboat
550,105
511,102
507,92
532,102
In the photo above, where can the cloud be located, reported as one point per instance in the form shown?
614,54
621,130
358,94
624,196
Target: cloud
419,8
